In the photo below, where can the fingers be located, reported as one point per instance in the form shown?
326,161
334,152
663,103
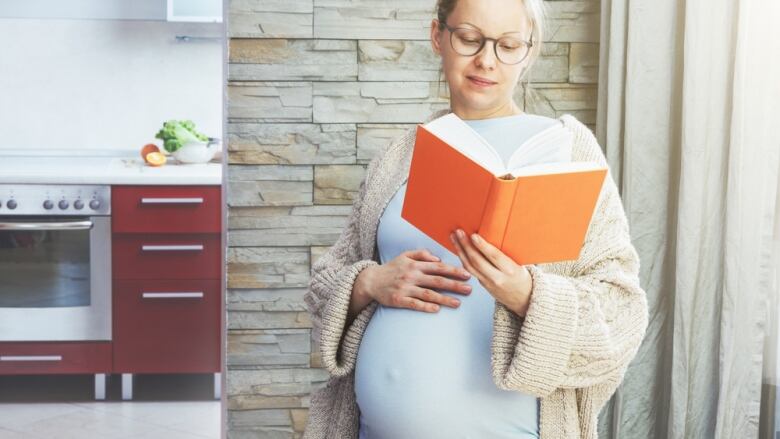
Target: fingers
463,256
431,264
475,258
442,269
442,276
422,255
493,254
423,299
439,275
430,296
416,279
444,283
413,303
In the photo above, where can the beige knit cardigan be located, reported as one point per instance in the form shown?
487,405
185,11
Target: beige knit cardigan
583,326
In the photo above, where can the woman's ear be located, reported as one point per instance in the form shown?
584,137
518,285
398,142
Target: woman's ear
435,37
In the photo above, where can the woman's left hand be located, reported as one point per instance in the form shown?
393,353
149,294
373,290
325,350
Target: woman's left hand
508,282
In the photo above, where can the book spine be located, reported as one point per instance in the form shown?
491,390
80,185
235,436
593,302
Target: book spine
495,215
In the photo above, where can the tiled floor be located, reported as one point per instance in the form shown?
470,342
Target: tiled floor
165,407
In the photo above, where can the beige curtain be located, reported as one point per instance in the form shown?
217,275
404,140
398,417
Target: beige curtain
770,409
689,115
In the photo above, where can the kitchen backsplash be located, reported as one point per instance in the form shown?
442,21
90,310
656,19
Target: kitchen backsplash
105,84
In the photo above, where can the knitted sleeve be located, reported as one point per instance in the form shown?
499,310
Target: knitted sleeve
330,289
584,328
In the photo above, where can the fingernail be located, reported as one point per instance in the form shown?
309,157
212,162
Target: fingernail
466,274
452,238
460,233
475,237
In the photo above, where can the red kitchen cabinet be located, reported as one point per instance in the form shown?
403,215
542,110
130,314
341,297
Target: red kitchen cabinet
167,281
61,357
33,358
166,256
166,325
166,209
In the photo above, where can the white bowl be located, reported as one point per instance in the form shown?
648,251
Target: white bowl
196,152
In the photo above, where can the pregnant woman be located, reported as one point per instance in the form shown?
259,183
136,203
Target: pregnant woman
422,343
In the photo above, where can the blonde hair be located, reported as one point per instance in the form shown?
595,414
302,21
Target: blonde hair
534,10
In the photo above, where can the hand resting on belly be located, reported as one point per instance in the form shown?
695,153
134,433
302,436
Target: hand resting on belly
406,281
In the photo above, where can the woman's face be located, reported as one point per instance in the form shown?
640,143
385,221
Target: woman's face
481,86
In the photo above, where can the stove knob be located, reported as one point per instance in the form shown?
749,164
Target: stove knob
94,204
78,204
63,204
11,204
48,205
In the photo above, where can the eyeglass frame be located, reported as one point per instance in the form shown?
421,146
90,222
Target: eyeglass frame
485,39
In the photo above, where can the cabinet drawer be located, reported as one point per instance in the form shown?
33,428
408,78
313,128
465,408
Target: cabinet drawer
33,358
166,209
167,326
162,256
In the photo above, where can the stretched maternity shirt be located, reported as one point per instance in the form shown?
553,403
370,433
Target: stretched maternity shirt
426,375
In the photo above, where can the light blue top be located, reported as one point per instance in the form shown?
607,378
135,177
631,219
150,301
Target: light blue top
427,375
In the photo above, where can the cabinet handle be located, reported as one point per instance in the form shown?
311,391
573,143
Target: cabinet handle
182,295
193,200
30,357
169,248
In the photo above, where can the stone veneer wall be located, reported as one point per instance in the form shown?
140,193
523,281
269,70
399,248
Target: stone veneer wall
315,87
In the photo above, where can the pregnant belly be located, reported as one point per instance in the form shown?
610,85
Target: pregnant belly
423,375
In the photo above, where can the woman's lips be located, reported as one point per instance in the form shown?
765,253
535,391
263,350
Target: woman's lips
481,82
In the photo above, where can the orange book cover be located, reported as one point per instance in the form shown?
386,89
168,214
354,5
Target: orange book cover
534,214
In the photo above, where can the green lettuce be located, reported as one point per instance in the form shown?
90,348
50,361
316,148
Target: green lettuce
177,133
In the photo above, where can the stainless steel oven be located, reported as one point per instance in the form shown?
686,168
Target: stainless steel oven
55,262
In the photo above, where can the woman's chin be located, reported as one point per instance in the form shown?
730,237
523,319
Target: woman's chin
477,101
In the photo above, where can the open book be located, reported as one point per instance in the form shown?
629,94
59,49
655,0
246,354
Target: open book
535,213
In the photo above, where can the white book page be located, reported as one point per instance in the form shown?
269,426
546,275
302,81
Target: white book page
556,168
456,133
545,146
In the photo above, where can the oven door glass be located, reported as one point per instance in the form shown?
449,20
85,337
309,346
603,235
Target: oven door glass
55,278
45,268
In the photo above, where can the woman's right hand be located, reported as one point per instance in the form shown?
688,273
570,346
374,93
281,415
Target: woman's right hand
407,281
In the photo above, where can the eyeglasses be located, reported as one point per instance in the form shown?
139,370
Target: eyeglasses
469,42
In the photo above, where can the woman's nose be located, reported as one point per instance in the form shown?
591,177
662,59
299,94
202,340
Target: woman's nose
486,58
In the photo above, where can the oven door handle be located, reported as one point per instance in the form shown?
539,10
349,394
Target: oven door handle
30,357
66,225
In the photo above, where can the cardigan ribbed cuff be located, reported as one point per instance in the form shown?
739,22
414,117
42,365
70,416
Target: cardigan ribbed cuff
339,348
531,354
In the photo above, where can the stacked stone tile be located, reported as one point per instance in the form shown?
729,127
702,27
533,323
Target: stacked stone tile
315,88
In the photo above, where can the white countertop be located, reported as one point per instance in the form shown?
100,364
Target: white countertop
101,167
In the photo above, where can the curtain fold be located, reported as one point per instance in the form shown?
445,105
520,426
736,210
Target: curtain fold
688,114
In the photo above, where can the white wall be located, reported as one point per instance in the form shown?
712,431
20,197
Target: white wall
105,84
